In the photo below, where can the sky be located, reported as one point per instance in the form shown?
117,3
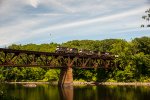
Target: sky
45,21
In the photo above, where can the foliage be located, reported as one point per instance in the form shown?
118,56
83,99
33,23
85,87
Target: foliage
88,75
142,45
133,63
52,75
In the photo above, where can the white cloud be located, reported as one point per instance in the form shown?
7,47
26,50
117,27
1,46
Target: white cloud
48,14
56,15
34,3
132,30
95,20
86,22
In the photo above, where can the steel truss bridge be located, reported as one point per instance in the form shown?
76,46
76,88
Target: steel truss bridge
64,61
24,58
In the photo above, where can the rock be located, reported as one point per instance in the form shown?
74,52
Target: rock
30,85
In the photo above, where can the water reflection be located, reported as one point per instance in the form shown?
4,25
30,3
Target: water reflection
66,93
49,92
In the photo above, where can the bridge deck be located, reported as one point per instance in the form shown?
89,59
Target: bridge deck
25,58
56,54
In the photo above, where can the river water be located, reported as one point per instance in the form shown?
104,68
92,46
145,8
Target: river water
51,92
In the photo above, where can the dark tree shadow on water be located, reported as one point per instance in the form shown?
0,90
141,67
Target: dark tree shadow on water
4,93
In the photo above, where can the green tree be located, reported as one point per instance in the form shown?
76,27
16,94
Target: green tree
142,45
52,75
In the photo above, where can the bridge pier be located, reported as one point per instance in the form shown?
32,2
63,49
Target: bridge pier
66,77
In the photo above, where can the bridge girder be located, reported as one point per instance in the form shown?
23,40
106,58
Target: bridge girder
23,58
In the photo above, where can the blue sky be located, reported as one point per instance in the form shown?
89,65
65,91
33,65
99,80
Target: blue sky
45,21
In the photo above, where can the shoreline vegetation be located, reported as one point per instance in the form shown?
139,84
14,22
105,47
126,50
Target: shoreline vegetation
132,64
78,83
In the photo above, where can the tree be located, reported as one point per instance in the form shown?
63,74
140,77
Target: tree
52,75
146,18
142,45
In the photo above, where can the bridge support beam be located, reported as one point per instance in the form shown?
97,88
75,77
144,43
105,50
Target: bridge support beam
66,77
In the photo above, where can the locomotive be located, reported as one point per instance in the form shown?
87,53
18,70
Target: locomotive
60,49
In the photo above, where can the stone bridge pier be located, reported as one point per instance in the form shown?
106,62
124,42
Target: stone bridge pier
66,77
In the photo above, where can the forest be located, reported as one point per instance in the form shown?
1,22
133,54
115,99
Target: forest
133,60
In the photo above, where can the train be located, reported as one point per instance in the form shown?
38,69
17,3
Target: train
60,49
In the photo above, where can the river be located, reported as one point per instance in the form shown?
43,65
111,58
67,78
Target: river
53,92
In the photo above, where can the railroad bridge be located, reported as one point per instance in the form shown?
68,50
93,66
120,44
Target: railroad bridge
64,61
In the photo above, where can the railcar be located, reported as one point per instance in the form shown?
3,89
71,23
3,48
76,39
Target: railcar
85,52
96,53
73,50
106,53
60,49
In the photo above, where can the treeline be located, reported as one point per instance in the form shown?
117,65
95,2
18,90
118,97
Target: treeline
133,62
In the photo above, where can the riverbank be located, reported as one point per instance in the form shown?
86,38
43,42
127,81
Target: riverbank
113,83
77,83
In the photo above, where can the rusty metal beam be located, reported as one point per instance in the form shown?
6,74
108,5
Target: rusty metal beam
24,58
55,54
